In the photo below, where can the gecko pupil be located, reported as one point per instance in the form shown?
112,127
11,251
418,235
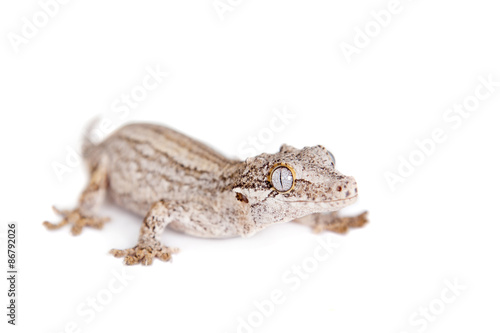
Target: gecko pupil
282,179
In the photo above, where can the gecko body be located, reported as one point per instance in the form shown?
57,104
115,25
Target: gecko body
173,180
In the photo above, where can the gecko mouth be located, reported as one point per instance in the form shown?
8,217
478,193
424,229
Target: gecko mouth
323,201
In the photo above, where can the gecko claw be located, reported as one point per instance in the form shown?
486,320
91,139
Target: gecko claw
144,254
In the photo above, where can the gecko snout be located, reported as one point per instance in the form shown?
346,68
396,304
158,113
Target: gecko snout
348,188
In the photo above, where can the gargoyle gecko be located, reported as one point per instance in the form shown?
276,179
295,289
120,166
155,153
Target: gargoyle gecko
174,180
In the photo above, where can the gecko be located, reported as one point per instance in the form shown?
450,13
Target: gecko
173,180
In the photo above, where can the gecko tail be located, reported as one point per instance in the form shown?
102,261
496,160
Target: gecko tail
90,146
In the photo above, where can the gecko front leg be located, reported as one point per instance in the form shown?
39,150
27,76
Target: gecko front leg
90,200
332,222
149,245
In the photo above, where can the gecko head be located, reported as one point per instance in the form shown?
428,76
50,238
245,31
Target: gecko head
293,183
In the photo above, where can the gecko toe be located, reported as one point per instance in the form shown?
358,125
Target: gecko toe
54,226
358,221
341,225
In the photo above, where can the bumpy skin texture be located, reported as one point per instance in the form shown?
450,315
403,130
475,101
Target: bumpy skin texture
177,181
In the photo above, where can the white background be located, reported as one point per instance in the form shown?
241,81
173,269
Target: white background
225,78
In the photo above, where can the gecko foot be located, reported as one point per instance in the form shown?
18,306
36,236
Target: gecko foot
342,224
77,221
144,254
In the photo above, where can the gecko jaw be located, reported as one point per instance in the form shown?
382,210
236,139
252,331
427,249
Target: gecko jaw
324,201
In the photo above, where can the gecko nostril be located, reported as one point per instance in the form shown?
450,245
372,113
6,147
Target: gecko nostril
339,188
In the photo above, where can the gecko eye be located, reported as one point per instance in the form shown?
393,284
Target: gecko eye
282,177
332,158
